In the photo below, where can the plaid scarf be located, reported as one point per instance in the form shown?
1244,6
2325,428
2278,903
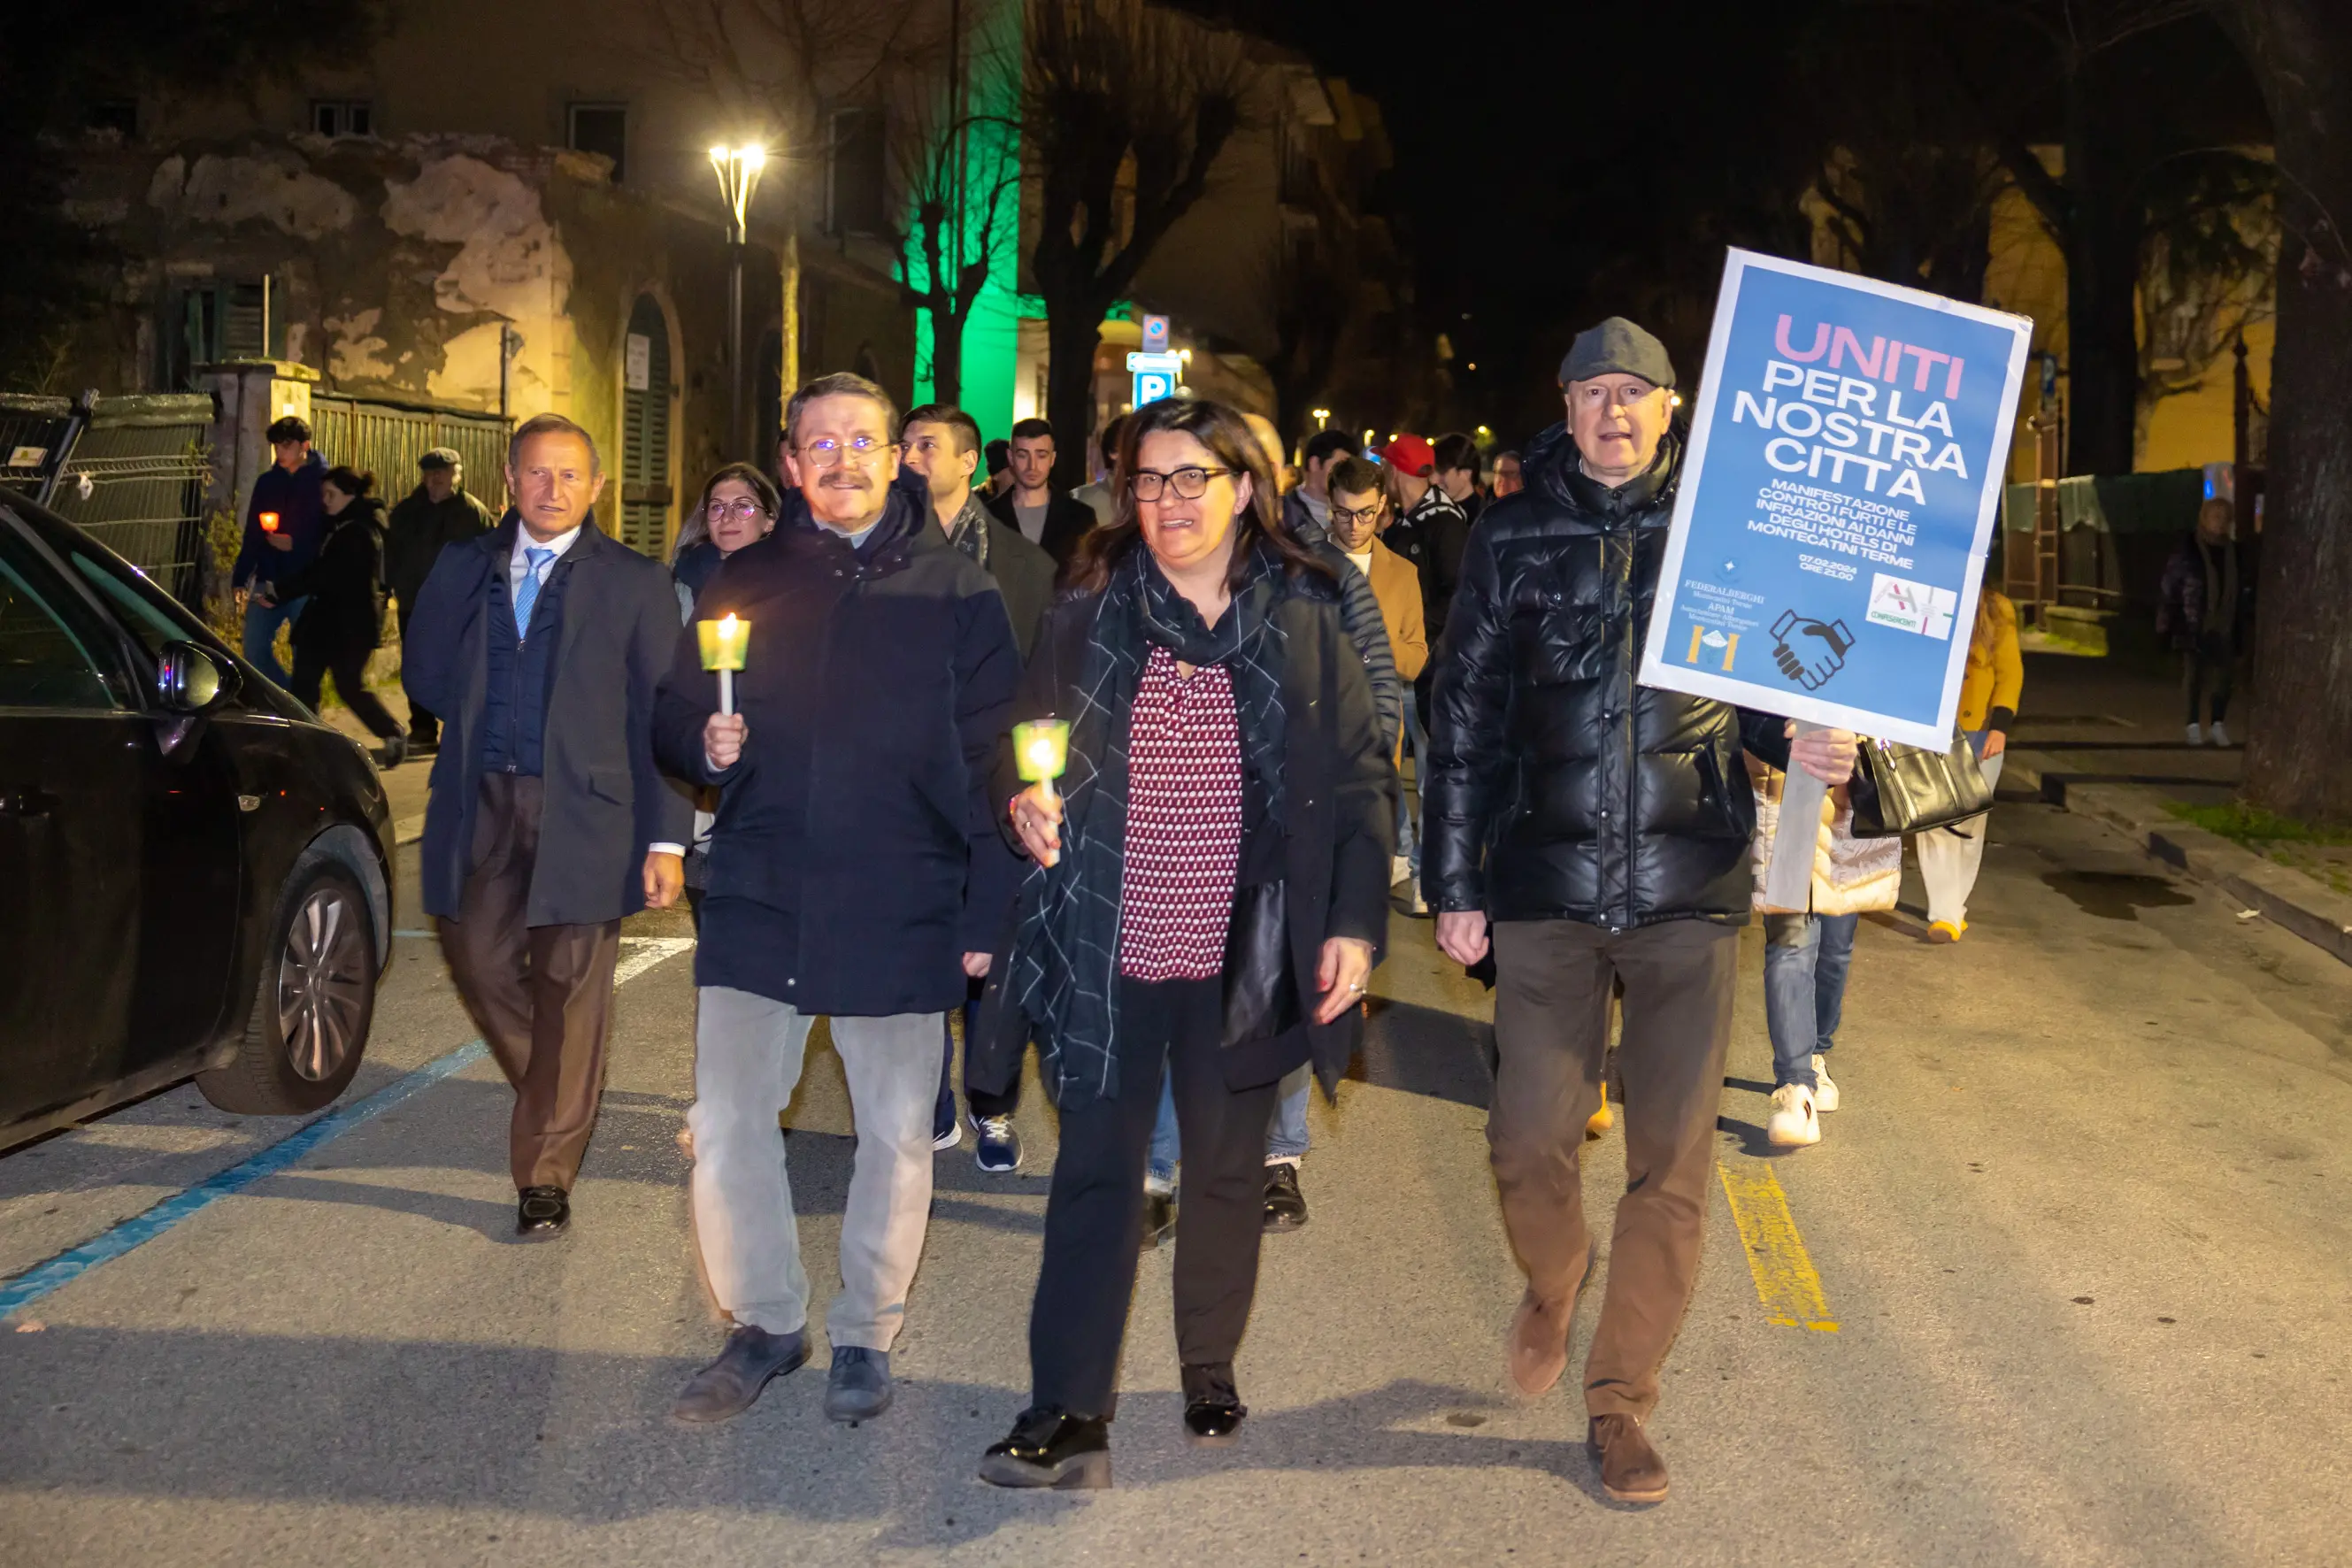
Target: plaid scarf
1065,950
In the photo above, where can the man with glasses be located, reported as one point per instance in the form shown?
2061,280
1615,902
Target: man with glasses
1598,830
856,874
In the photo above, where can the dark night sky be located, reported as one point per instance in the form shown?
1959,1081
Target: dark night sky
1557,163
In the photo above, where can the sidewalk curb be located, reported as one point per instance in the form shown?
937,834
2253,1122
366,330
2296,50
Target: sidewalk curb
2288,899
408,829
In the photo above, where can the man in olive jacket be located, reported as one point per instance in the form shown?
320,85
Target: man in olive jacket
440,512
1601,828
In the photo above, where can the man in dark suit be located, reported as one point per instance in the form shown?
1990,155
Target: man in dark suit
540,644
437,513
1031,505
943,445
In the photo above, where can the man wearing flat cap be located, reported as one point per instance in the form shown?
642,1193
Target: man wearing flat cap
437,513
1592,834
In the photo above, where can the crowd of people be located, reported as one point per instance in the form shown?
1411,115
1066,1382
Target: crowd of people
1296,701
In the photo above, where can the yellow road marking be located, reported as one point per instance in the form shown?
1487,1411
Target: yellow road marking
1786,1282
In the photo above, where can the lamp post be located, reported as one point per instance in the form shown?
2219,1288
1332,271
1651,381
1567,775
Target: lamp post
1322,418
738,169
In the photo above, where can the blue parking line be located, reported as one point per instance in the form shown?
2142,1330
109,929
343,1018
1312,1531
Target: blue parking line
22,1289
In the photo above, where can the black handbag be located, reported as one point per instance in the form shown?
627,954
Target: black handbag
1900,789
1261,988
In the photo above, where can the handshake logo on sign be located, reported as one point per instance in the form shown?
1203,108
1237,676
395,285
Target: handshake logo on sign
1808,651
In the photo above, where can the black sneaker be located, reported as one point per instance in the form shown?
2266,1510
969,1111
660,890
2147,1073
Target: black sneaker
395,752
1286,1205
1051,1448
997,1146
1159,1219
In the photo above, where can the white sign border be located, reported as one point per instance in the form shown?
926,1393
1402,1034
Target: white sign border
1695,682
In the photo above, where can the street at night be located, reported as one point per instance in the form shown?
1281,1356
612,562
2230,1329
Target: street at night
1148,781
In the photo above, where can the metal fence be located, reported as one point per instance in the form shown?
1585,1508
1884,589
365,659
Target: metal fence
386,439
131,470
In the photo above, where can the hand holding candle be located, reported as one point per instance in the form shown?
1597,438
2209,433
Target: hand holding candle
1041,753
269,520
723,643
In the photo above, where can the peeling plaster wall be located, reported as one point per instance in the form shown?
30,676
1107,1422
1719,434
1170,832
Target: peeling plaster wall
394,265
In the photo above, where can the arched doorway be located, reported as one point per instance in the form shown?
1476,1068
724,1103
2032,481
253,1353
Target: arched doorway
645,395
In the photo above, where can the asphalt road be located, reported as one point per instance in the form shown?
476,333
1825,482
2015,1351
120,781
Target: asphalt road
2080,1227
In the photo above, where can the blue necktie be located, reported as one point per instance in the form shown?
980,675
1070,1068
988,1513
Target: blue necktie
526,591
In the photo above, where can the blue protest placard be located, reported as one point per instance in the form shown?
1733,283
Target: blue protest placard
1847,450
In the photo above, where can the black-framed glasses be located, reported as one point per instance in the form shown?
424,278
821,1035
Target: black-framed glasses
1190,482
824,452
1361,514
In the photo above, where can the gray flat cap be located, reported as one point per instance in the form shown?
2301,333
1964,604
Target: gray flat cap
439,457
1617,347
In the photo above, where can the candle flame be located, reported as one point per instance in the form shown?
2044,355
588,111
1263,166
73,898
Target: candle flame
727,623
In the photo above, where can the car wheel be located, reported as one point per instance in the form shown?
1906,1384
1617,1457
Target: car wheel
311,1005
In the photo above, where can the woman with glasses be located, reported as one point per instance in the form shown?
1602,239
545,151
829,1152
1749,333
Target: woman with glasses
1209,896
739,507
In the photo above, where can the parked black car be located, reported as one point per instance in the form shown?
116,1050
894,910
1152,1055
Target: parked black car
194,875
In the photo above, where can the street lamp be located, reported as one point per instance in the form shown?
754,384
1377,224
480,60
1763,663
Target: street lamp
1322,418
738,169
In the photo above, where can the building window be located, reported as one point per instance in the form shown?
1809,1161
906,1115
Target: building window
115,116
342,117
856,181
602,128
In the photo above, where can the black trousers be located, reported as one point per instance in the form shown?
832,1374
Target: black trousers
2210,666
983,1104
1094,1215
350,670
422,727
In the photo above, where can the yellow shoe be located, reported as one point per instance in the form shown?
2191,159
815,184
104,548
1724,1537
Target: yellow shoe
1943,932
1601,1121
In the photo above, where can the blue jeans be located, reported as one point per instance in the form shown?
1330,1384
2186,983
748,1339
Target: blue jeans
1285,1133
261,624
1416,742
1806,958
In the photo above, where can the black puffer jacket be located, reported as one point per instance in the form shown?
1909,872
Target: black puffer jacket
1559,789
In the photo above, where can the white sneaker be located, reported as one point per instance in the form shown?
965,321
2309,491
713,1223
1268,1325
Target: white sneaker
2221,733
1399,868
2196,736
1793,1123
1825,1091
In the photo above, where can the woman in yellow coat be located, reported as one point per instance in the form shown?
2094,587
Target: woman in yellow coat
1949,857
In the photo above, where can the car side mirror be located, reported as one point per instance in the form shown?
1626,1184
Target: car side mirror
192,679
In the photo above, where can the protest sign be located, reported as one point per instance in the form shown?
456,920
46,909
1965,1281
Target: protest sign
1847,450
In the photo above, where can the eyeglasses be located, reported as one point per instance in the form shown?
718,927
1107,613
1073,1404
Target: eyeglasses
1189,483
1607,396
742,510
1361,514
824,452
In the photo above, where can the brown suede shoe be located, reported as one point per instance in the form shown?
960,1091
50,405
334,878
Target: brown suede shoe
1536,1354
1630,1470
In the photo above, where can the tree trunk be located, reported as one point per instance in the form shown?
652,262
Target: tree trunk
947,357
2102,278
2299,747
1073,328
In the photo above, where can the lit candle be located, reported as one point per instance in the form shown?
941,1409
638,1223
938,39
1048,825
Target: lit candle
1041,751
268,522
723,642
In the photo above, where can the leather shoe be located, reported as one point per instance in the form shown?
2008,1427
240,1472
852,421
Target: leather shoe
1286,1205
1536,1353
1630,1470
1050,1447
1212,1410
858,1387
731,1384
1159,1219
543,1212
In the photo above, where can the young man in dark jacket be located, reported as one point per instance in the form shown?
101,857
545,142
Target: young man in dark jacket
1044,516
286,497
437,513
943,447
1601,829
855,874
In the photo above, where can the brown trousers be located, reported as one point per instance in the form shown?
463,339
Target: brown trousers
542,996
1553,982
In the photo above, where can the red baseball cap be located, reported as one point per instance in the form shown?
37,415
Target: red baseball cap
1411,454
